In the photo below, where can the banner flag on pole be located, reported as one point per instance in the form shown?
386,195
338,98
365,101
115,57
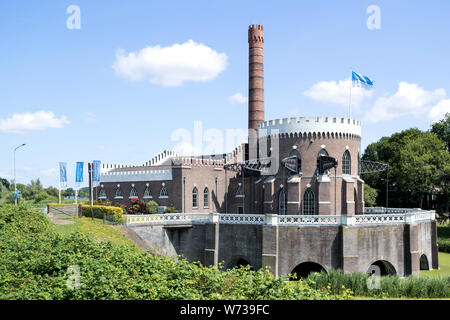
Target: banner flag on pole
79,172
63,174
359,80
96,172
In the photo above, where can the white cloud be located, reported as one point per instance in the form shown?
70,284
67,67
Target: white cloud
23,122
237,98
26,168
337,92
439,110
410,99
172,65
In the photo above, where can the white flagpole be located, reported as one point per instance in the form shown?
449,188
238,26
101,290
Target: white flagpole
59,181
350,99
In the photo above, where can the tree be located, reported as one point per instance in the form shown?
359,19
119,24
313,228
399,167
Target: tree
442,130
69,192
4,182
370,196
53,192
418,162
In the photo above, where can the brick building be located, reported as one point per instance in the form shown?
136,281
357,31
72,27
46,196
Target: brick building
277,171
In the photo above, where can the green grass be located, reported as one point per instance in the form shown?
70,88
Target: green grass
444,267
96,229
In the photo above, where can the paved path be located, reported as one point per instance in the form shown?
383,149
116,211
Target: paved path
58,221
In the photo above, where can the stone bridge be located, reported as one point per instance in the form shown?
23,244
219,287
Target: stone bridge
397,241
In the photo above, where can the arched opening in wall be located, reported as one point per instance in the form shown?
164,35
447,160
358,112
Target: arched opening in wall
306,268
424,263
382,268
240,262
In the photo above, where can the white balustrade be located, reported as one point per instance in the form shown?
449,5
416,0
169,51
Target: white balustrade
281,220
302,220
242,218
379,219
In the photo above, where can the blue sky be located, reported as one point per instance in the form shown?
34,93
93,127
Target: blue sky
89,110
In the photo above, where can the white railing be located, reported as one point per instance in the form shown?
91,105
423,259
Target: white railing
299,220
375,210
424,216
167,218
380,218
280,220
242,219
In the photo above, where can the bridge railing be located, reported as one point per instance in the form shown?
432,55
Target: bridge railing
281,220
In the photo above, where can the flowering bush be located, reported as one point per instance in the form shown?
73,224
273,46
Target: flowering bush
137,206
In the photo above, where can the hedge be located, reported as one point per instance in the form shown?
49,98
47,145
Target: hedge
100,211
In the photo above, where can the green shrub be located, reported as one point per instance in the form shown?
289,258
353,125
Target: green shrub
101,211
444,237
170,210
103,202
151,207
34,260
41,196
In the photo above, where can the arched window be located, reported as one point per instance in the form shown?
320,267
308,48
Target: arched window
346,162
322,152
147,193
133,192
239,191
298,164
309,203
163,193
206,198
119,194
102,193
195,198
282,202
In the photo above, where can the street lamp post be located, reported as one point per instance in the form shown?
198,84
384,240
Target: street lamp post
15,185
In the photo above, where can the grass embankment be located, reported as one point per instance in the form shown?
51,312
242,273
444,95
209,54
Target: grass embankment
35,257
95,229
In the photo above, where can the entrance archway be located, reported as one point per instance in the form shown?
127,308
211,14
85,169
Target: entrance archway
382,268
304,269
424,262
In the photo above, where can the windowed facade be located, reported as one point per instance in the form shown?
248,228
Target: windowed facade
309,203
206,198
147,193
133,193
195,198
346,163
119,194
282,202
163,193
102,193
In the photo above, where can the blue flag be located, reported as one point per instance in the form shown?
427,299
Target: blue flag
79,173
96,171
63,174
359,80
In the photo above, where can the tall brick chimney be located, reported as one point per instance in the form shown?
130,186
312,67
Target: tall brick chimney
255,85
